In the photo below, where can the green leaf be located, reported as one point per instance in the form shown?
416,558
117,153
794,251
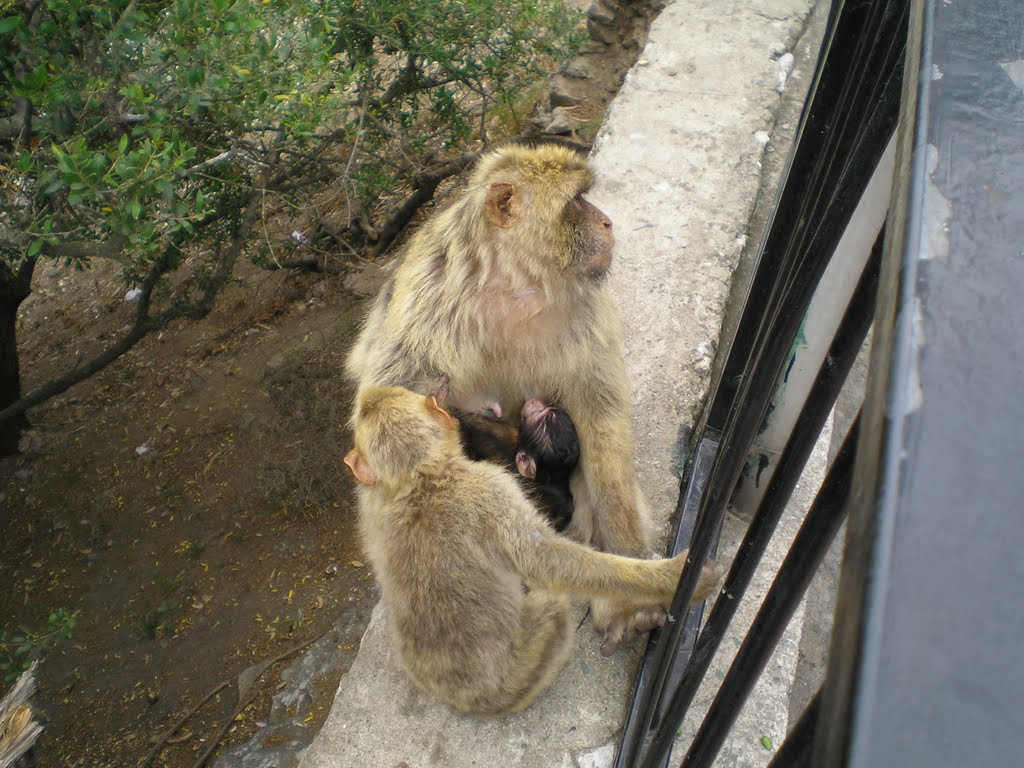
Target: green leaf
122,145
9,24
33,249
135,208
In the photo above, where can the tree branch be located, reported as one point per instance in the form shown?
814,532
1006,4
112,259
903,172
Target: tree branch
69,249
144,324
424,187
210,163
53,388
201,308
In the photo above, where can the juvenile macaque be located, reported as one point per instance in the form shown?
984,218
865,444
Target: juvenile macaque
503,291
474,577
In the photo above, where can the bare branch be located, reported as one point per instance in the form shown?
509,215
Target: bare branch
309,264
144,324
424,187
70,249
139,329
201,308
211,162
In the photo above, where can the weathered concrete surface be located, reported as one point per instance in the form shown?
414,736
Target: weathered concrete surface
680,158
680,163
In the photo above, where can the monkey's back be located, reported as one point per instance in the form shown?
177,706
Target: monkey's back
440,549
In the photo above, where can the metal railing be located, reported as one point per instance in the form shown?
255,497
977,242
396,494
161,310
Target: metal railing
847,124
923,99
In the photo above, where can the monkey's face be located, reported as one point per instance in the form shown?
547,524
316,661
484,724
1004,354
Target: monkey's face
548,434
396,433
534,200
592,238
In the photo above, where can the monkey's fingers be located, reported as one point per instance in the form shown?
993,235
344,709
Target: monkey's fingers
626,627
612,637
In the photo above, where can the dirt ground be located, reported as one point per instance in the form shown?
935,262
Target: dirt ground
189,502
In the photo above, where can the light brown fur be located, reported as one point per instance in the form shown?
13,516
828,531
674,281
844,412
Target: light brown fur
455,544
503,292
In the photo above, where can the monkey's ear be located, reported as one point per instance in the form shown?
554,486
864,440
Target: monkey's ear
527,465
501,207
440,413
360,468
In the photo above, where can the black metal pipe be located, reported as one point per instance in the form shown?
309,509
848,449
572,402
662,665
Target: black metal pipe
829,381
839,68
685,518
812,541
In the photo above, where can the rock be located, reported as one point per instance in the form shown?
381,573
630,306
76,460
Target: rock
785,67
561,123
307,683
602,13
578,69
609,35
30,441
561,95
540,116
602,757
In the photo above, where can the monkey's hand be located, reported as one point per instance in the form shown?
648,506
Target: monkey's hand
621,622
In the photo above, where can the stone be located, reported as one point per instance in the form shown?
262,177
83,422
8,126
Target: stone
602,13
561,123
609,35
561,93
578,69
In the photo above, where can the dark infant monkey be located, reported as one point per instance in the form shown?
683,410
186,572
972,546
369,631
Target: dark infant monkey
547,452
544,450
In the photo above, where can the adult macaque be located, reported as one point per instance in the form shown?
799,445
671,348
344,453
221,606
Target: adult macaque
474,577
503,292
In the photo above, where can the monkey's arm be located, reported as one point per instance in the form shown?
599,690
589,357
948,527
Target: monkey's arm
557,564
